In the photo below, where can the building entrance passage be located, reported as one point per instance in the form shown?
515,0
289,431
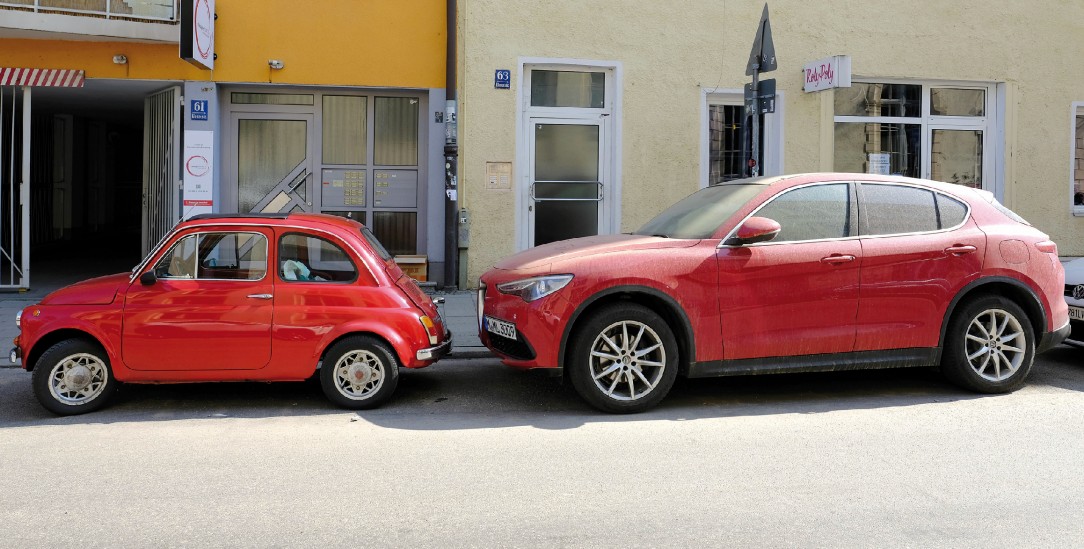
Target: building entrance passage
567,189
14,202
274,166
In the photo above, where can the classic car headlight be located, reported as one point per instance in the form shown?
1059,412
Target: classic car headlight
19,318
530,289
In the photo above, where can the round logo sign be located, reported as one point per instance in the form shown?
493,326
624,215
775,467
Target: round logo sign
205,28
197,166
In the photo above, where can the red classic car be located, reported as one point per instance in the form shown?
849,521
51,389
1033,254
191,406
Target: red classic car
237,298
785,274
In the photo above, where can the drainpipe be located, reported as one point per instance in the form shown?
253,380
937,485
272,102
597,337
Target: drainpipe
451,159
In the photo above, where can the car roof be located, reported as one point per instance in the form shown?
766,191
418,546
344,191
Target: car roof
804,178
271,219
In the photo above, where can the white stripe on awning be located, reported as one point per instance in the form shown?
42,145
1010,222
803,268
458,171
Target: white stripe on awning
56,78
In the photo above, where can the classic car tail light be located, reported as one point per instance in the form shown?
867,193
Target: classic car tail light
430,329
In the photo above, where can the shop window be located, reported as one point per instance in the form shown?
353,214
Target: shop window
1078,162
396,131
239,98
568,89
867,99
344,129
914,130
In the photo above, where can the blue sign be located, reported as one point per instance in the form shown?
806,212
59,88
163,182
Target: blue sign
199,109
502,79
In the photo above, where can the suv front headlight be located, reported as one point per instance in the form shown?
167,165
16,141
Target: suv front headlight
530,289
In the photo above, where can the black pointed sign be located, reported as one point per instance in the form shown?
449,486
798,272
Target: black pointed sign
763,53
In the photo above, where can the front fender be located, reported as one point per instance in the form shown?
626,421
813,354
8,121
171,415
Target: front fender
56,323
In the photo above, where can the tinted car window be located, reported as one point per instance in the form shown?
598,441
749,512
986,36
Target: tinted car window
307,258
897,209
810,213
952,212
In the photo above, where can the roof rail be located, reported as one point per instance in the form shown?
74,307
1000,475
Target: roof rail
238,215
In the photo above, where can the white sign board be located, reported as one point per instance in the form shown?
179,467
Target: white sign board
830,72
198,32
879,163
199,164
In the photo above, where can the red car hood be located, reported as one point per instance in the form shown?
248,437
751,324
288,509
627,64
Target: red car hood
96,291
542,256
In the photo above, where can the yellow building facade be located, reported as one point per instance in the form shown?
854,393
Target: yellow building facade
614,110
333,108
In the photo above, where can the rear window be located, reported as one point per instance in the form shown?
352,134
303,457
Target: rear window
375,244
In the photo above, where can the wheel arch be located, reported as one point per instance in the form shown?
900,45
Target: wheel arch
1017,291
347,335
659,302
45,342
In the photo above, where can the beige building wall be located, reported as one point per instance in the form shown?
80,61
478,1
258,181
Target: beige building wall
672,52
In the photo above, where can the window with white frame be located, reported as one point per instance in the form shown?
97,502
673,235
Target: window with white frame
1077,168
933,131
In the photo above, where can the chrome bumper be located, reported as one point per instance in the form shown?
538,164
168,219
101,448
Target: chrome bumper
433,353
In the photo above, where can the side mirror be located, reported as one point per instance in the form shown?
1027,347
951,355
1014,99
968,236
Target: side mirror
148,278
755,229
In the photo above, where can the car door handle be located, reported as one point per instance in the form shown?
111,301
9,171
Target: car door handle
260,296
836,259
960,249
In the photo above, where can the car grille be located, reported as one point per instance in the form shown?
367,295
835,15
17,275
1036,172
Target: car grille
1069,289
515,348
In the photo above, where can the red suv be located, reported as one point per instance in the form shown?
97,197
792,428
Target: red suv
237,298
785,274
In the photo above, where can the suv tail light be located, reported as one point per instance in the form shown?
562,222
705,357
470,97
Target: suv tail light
1047,246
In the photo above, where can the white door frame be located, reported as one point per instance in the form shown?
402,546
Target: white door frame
610,139
604,179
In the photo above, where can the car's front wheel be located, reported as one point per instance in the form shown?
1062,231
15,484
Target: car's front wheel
624,359
73,377
989,346
359,372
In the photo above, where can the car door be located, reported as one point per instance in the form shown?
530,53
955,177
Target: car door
209,309
919,248
796,294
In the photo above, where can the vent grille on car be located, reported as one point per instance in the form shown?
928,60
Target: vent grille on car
514,348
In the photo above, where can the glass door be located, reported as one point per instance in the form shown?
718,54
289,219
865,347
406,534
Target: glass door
567,179
956,156
273,161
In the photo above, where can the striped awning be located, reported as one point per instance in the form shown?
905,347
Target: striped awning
56,78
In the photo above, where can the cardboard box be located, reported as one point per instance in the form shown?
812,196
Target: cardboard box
414,266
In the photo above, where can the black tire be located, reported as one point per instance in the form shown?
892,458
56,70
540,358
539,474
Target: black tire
634,382
73,377
359,373
997,336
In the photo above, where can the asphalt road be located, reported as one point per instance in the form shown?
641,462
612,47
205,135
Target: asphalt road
472,454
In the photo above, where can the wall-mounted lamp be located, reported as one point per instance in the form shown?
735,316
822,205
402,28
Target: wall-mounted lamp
120,59
276,64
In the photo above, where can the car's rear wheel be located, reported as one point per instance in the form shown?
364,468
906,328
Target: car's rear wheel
989,346
624,359
359,372
73,377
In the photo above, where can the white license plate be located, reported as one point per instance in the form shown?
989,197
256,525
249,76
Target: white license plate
500,327
1076,313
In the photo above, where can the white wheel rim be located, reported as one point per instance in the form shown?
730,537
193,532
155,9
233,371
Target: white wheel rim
359,375
627,360
78,379
995,345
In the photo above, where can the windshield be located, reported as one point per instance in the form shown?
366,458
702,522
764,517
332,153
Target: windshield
700,213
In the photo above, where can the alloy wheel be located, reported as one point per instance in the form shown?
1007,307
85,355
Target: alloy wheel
996,346
627,360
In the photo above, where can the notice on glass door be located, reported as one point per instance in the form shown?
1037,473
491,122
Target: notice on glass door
879,163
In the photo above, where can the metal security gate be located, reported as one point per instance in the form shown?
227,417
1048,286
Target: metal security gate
161,164
14,190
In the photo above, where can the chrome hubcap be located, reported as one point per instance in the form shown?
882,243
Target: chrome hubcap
995,345
359,374
78,379
627,360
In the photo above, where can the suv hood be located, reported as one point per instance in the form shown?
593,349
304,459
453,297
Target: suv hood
96,291
542,256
